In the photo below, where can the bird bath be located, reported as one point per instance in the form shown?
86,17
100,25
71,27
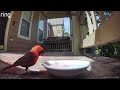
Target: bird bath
66,68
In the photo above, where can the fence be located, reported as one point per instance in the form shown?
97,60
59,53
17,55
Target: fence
58,45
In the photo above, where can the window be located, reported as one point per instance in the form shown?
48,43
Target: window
41,28
25,25
25,28
107,14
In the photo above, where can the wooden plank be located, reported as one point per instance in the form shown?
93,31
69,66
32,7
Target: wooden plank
57,14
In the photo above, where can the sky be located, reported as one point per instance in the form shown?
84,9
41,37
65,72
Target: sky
67,24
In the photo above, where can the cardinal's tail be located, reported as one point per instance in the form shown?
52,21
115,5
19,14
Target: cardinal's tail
7,67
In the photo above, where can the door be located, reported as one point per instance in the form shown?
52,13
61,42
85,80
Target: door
3,23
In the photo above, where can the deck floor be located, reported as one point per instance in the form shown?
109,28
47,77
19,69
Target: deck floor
101,67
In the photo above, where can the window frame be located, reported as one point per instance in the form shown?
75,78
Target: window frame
30,27
40,15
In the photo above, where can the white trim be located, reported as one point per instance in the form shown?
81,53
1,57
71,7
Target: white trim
7,30
30,29
47,29
40,15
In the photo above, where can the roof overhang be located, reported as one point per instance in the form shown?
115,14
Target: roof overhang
57,14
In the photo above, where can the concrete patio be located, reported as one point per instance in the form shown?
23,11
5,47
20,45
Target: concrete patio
101,67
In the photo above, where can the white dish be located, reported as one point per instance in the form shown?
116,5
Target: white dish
66,68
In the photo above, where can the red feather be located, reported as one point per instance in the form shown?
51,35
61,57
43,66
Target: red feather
29,59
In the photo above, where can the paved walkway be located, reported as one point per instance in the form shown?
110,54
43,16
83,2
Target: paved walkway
101,67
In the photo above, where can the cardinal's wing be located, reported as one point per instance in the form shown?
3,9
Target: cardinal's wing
30,56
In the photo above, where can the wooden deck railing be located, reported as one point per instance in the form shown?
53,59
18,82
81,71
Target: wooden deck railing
59,45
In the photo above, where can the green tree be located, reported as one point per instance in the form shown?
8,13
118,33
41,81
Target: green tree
66,34
109,50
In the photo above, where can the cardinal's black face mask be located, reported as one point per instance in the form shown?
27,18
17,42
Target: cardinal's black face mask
41,52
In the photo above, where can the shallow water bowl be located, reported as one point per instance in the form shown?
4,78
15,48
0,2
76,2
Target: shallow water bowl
66,68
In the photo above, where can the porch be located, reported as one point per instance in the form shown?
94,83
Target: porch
101,67
83,34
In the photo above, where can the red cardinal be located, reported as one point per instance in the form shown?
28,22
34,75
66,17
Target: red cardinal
29,59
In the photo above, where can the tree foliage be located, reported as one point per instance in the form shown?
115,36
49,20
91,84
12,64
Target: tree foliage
66,34
110,50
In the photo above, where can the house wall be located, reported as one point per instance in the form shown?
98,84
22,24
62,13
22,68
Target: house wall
58,30
19,44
